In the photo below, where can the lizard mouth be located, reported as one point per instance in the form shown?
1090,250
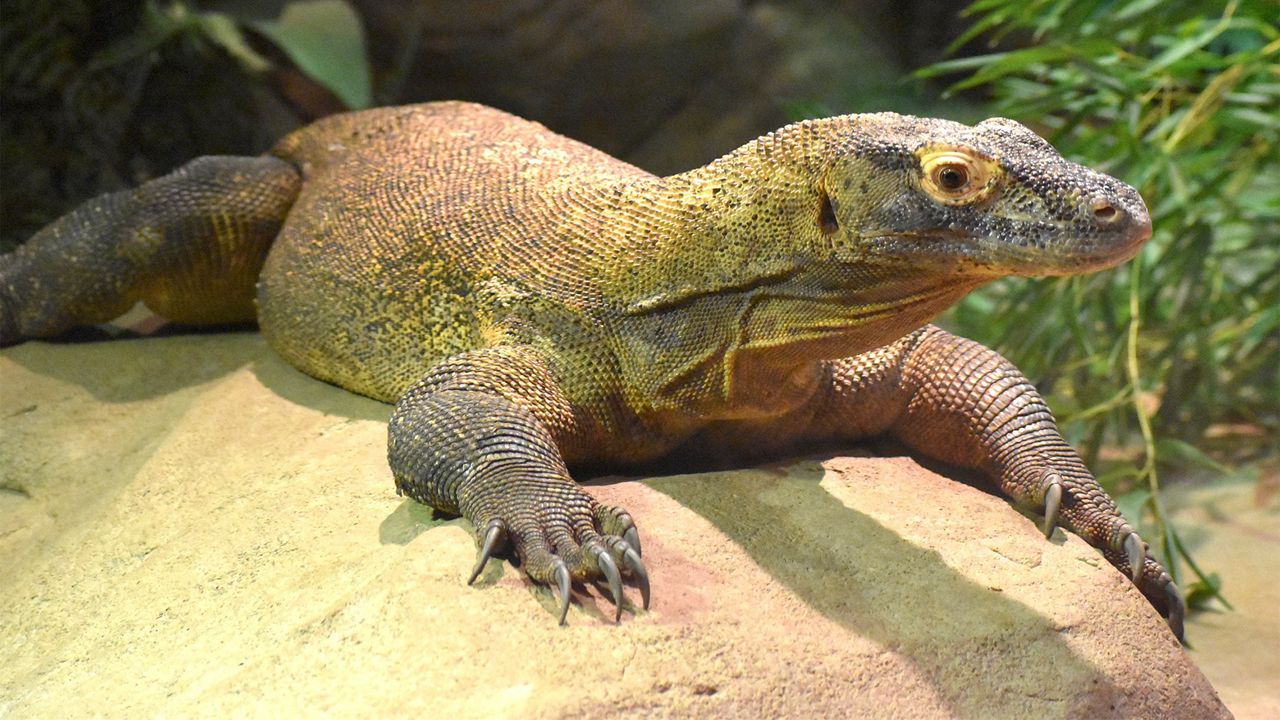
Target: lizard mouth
1107,248
1043,249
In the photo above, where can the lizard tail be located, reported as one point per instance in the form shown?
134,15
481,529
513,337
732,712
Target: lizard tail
189,245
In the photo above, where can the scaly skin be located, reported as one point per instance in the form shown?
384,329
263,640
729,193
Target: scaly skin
531,304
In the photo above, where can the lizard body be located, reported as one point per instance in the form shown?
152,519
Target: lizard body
531,304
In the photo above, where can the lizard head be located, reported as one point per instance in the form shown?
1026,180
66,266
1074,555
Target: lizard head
831,237
983,201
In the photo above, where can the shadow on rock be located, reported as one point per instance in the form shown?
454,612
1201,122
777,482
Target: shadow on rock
299,388
128,369
409,520
981,650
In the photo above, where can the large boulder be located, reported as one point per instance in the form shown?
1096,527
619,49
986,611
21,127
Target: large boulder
188,526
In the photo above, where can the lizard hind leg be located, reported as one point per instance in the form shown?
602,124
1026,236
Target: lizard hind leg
189,244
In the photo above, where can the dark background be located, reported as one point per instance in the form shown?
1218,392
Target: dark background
102,95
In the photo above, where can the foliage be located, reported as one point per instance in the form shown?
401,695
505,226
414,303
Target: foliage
103,94
1181,98
324,38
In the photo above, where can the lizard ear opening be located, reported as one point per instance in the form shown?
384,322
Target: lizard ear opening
826,214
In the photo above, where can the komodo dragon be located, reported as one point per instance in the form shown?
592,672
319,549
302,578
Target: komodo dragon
531,304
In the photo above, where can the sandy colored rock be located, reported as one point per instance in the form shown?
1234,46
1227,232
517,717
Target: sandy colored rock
189,527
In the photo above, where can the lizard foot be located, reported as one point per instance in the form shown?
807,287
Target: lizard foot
558,548
1086,510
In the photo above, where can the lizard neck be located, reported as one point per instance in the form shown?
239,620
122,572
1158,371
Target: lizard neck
712,231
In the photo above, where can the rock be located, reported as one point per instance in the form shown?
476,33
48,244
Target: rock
665,84
608,71
191,527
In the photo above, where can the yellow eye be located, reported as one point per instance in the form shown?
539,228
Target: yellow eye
956,176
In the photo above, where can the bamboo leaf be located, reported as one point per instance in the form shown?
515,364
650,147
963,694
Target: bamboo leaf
1185,47
1168,448
325,39
223,31
1199,593
1133,504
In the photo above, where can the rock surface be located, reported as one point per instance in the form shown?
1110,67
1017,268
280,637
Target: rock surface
665,84
189,527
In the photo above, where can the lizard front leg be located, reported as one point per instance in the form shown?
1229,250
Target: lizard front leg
478,437
959,402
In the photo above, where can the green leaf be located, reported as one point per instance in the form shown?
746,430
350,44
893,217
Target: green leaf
1200,592
1185,47
222,30
1133,504
1262,119
1266,323
1210,582
1136,9
1168,448
947,67
325,40
979,27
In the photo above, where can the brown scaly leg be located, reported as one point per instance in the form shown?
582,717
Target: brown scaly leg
189,244
478,437
959,402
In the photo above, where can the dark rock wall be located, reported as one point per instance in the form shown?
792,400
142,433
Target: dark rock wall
666,84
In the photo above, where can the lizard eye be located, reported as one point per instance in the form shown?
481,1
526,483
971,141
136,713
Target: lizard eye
954,176
951,177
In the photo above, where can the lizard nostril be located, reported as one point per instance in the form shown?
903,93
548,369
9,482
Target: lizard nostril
1106,212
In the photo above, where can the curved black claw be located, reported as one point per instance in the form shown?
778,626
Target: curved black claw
582,541
631,558
561,576
496,534
632,536
1136,551
1177,609
1052,502
609,569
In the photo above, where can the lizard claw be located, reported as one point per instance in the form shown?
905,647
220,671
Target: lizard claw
1177,609
632,536
610,571
1136,551
1073,501
492,537
1052,501
585,543
561,576
631,558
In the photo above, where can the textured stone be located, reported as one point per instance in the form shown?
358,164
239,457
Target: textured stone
664,84
191,527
